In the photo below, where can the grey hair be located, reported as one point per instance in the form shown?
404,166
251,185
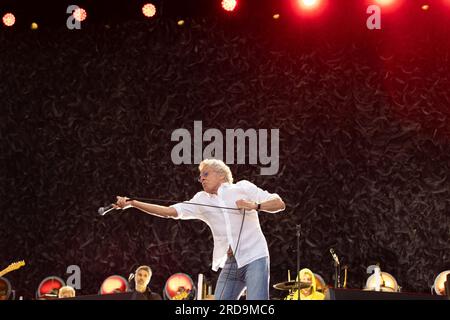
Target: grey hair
65,289
146,268
218,166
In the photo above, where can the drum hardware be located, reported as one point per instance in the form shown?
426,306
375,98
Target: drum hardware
292,285
298,228
345,276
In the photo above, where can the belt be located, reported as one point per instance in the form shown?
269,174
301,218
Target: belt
230,252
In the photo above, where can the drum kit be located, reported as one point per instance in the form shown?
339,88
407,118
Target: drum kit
379,281
387,284
293,286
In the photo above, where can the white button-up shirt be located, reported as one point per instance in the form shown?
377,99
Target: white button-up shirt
225,224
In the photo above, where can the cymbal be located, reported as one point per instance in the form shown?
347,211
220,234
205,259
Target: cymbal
290,285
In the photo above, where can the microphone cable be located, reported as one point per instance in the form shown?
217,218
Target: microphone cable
186,202
234,252
204,205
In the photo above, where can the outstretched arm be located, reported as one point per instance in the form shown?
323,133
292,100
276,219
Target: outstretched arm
153,209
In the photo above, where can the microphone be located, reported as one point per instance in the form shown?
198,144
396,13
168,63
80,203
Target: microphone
335,257
104,210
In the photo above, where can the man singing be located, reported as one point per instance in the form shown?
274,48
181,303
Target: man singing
231,211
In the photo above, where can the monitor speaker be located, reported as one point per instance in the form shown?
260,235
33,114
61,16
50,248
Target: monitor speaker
351,294
114,296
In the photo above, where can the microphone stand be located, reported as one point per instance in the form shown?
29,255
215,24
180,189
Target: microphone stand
298,228
337,269
337,276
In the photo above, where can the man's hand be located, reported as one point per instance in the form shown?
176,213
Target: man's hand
247,205
122,203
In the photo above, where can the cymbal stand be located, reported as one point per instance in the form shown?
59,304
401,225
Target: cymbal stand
298,228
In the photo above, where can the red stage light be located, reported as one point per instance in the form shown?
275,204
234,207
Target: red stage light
308,7
114,284
385,2
229,5
308,4
149,10
49,287
179,286
439,282
388,4
80,14
9,19
5,289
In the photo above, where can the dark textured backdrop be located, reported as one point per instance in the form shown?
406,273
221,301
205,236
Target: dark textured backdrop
364,145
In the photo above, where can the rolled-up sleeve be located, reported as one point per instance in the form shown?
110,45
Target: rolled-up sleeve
257,194
188,210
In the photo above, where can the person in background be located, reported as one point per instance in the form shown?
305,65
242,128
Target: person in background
310,292
66,292
142,277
